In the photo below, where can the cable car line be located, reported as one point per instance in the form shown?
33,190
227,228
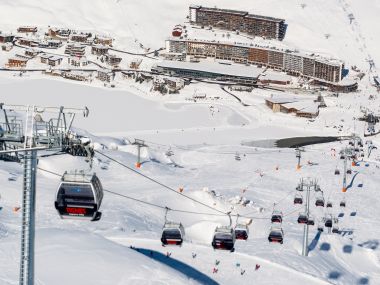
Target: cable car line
163,207
160,183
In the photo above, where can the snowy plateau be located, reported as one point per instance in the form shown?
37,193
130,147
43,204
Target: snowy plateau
209,156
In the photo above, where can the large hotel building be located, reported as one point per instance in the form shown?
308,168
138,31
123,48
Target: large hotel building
255,25
295,63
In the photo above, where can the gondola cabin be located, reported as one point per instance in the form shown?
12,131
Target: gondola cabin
276,235
241,232
342,204
337,172
320,202
172,234
302,218
310,221
349,171
328,223
224,238
298,199
276,217
335,230
79,196
329,204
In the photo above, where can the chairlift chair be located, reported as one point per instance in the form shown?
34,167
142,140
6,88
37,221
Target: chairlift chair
80,196
320,227
237,157
349,171
224,238
276,234
172,234
329,204
337,172
342,204
276,217
302,218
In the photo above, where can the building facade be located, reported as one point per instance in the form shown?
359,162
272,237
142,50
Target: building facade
291,62
232,20
77,50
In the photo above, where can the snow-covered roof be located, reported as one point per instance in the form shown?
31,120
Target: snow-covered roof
281,99
100,47
5,34
303,106
214,67
279,76
46,56
55,58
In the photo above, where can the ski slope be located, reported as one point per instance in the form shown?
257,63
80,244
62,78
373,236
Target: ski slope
204,136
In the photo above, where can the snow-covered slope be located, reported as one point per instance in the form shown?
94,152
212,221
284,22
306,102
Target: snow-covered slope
204,137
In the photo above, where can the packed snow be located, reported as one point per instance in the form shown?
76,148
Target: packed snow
205,136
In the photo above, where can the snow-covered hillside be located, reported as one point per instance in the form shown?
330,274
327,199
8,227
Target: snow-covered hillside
124,246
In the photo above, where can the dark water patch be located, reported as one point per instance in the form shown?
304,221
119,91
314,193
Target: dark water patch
291,142
304,141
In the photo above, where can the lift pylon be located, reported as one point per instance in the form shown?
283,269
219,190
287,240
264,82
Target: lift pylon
140,144
29,142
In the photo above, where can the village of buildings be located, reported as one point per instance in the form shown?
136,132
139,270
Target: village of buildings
235,49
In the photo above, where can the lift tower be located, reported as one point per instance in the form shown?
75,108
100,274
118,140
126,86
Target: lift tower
38,135
139,143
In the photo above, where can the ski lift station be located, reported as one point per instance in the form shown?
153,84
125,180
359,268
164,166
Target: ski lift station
210,70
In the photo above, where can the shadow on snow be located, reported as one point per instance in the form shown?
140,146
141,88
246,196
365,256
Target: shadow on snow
185,269
314,242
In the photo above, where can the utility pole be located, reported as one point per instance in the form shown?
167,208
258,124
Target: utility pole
305,245
344,188
298,156
139,144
